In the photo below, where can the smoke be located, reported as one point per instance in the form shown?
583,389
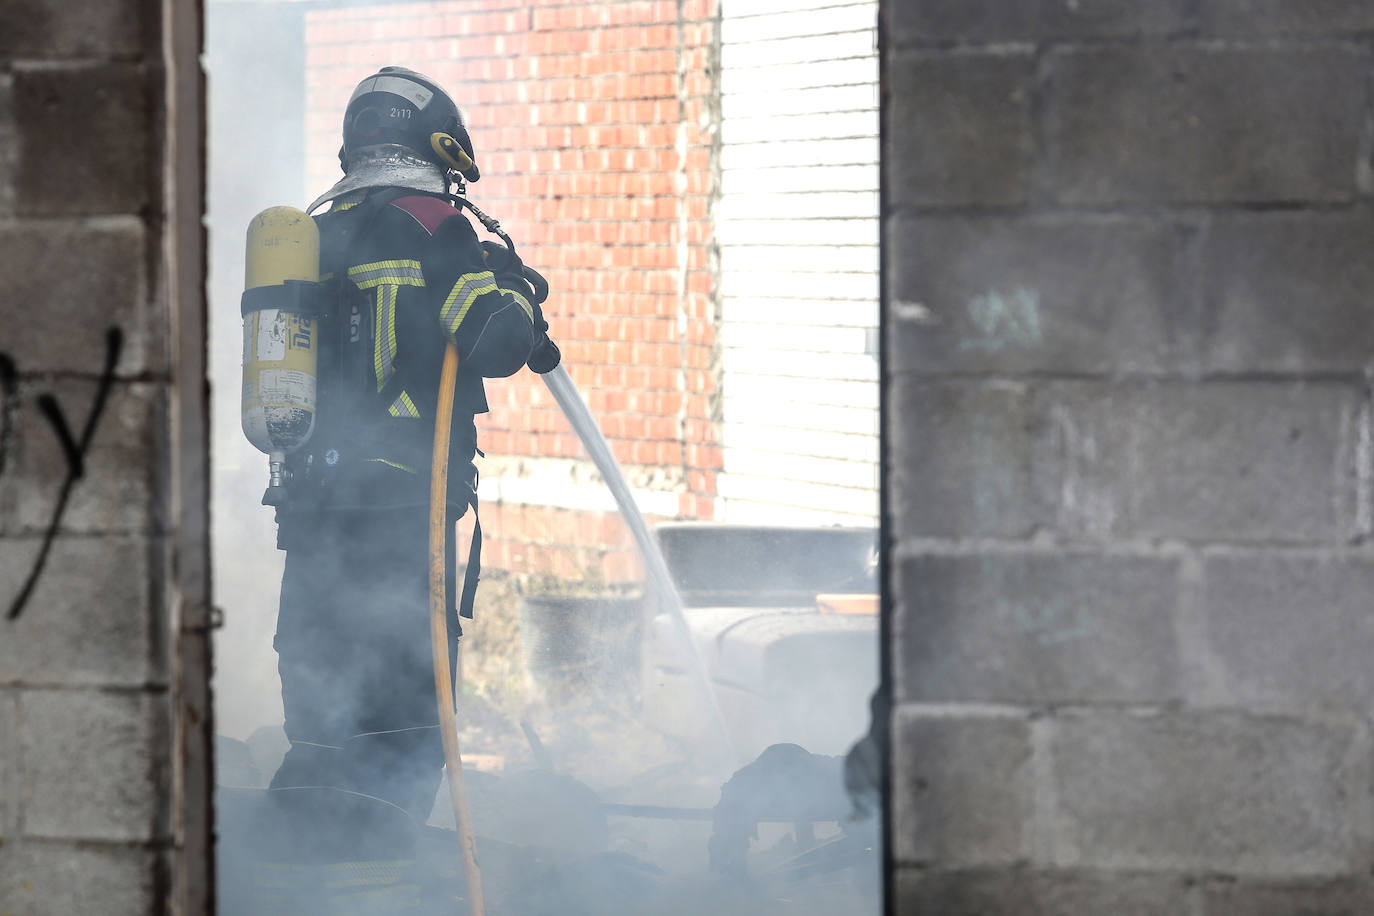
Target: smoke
549,751
255,75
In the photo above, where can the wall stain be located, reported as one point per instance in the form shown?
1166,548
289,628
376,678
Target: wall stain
1011,320
1051,624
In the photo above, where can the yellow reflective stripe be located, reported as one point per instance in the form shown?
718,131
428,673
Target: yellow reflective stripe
404,407
465,291
524,303
384,346
390,280
394,464
404,272
348,201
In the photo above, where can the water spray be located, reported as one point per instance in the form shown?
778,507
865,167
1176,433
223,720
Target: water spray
561,386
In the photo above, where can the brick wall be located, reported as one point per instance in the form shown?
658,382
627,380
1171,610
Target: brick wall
103,805
1128,334
593,128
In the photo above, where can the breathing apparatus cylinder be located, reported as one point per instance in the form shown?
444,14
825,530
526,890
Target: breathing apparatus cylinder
281,303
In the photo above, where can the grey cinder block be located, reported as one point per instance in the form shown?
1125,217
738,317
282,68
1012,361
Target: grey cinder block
1029,892
1169,124
9,145
1295,632
9,761
964,792
1283,18
1259,461
1231,793
65,311
1287,292
1244,461
1067,295
118,492
63,879
1038,628
92,764
942,21
54,29
962,459
88,620
1353,896
967,136
111,105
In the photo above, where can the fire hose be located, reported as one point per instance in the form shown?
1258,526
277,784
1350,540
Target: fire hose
438,630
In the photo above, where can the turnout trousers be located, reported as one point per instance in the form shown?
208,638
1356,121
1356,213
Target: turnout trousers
355,658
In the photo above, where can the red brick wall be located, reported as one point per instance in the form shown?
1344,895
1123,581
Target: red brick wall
563,543
576,111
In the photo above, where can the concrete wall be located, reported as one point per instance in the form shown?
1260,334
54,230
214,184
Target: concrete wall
1127,289
102,801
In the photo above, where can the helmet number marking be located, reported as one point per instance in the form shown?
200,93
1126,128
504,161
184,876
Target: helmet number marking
402,113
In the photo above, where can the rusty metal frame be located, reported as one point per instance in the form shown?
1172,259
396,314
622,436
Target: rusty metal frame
191,890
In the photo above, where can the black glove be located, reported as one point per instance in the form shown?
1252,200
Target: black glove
545,356
508,269
512,274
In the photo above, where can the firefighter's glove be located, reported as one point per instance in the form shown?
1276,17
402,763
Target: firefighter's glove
506,266
545,356
513,275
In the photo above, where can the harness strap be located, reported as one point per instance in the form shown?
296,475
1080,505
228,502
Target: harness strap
474,568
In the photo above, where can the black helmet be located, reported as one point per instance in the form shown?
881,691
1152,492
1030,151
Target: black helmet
405,108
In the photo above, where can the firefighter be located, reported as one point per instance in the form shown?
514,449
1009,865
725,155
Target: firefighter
405,271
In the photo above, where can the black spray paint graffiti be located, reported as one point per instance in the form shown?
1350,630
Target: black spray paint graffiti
73,449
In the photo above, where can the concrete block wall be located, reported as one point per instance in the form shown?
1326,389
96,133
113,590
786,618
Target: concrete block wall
1129,456
93,813
595,128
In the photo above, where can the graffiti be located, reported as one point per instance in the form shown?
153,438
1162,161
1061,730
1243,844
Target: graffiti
73,448
1003,321
1051,624
9,407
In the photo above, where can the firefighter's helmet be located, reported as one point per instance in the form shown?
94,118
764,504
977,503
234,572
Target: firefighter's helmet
400,107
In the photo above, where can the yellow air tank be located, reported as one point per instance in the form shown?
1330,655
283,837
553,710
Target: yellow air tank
280,336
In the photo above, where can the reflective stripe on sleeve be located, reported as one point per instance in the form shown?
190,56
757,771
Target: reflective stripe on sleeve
524,303
464,293
394,273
